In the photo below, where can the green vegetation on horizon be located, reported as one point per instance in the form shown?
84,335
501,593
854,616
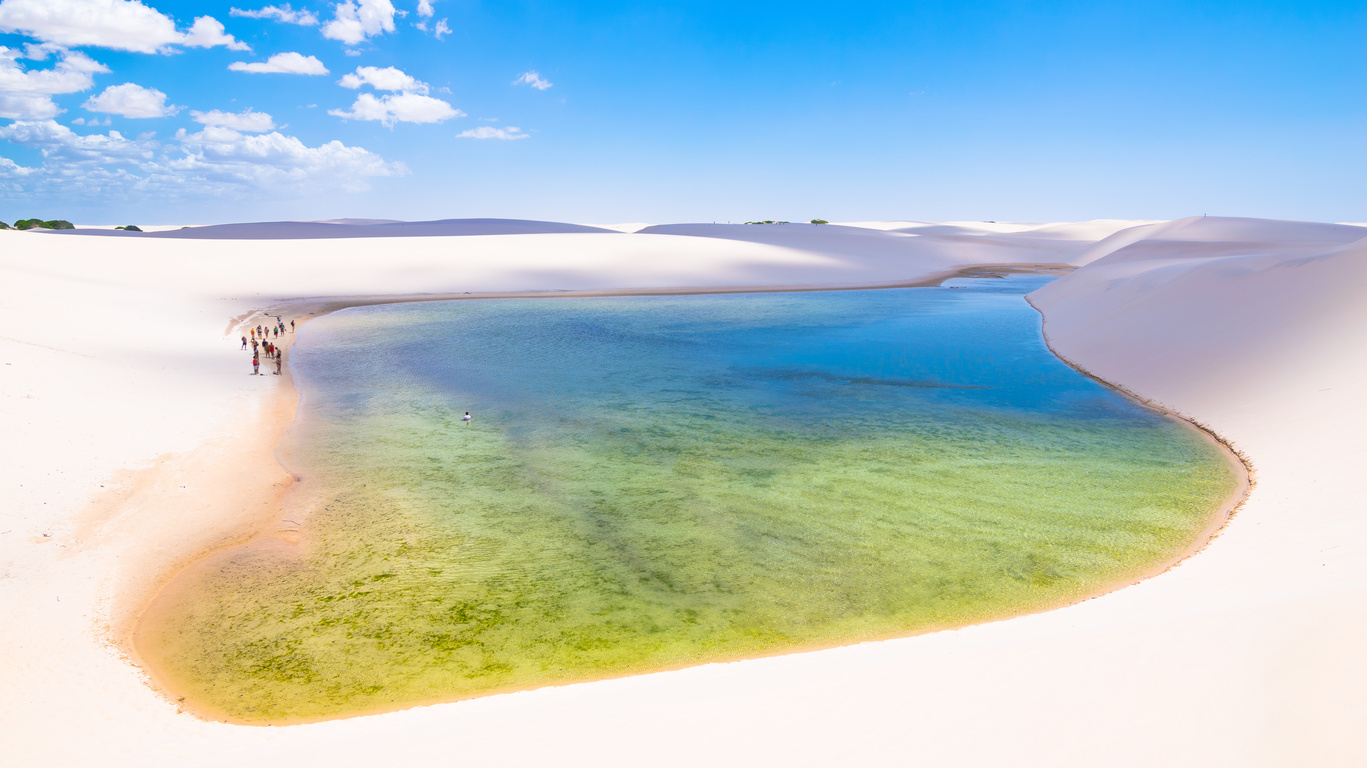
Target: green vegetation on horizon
41,224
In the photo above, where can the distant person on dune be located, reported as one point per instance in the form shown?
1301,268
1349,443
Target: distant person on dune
244,342
466,418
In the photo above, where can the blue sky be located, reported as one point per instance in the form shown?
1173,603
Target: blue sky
115,111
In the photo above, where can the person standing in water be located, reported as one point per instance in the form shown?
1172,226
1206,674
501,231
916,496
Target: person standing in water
466,417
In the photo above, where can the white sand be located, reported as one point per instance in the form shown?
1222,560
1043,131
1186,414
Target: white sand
117,371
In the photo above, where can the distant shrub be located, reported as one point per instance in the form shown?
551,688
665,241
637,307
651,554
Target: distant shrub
40,224
129,228
820,221
3,225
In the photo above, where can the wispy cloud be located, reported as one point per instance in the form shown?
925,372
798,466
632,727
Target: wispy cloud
534,79
281,13
245,122
489,132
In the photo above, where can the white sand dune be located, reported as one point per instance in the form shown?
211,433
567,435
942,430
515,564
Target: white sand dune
117,373
942,244
345,228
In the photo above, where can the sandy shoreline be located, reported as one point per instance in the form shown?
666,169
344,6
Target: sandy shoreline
258,526
114,363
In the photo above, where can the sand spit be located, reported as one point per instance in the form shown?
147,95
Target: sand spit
117,373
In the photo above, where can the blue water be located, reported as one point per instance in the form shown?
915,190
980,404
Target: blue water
656,481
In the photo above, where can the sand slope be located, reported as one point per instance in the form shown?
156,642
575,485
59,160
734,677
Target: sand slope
1249,654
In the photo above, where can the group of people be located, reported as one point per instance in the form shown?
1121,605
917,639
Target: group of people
261,340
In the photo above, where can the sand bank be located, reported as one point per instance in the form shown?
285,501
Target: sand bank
116,356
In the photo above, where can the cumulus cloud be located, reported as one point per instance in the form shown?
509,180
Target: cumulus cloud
283,63
58,142
26,94
386,79
10,168
353,22
410,103
274,159
489,132
441,29
131,100
217,160
125,25
208,32
534,79
398,108
245,122
281,13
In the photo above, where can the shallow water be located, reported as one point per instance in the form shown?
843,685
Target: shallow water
660,481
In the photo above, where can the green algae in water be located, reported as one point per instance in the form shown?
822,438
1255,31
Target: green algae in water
655,482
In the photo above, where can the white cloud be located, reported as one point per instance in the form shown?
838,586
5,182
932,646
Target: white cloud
281,13
273,159
10,168
27,94
399,108
58,142
208,32
131,100
125,25
534,79
441,29
353,22
489,132
213,162
246,122
283,63
387,79
425,8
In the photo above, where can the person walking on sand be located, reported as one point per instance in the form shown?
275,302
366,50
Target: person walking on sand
277,366
256,365
244,342
291,325
466,417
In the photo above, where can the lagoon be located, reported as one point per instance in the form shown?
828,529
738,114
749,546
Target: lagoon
654,482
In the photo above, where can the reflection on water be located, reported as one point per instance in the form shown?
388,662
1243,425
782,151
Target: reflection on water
657,481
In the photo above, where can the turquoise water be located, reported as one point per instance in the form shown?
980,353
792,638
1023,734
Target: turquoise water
659,481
